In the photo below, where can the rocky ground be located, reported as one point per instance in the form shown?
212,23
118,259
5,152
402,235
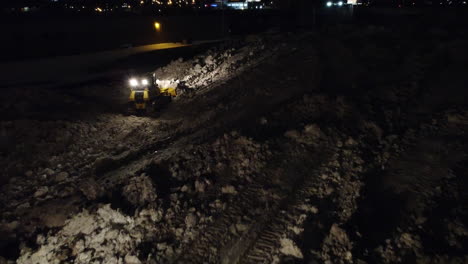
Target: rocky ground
344,145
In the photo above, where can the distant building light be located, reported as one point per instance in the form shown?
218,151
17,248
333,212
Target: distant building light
237,5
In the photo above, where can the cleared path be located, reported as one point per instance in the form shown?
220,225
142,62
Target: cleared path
71,69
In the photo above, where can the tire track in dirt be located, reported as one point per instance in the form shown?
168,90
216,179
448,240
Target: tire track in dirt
223,242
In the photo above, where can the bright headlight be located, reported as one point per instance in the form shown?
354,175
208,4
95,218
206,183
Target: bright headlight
329,4
144,82
133,82
340,3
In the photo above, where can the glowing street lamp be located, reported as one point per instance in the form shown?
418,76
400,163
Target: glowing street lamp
157,26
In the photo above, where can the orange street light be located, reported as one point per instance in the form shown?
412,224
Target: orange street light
157,26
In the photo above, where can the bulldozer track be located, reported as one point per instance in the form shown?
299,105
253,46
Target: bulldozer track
268,239
266,225
202,249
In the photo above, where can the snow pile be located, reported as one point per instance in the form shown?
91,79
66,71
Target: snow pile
289,248
106,236
336,245
213,66
167,83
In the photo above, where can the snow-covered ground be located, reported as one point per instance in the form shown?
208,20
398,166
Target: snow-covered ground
335,146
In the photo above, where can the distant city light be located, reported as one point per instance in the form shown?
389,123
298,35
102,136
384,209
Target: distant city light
108,6
329,4
237,5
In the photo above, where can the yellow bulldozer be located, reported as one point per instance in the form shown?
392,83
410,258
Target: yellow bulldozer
150,94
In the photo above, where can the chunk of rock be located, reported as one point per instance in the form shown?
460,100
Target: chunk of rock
241,227
289,248
409,241
140,190
91,189
339,235
209,60
153,215
228,189
129,259
41,191
200,186
350,142
336,246
49,171
161,246
190,220
62,176
310,135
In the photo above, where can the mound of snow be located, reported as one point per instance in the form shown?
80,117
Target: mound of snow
167,83
106,235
